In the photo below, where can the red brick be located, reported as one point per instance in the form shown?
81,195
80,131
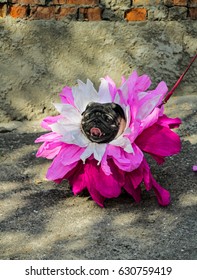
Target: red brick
17,11
193,13
43,12
3,10
91,14
66,11
180,2
83,2
192,3
136,14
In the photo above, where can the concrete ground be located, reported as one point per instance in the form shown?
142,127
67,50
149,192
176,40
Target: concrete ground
40,220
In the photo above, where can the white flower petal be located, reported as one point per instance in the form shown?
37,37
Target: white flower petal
104,93
84,94
117,99
124,143
148,107
97,150
87,153
69,112
71,133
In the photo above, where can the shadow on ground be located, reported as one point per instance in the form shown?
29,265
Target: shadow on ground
40,220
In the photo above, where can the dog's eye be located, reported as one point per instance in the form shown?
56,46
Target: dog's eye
108,118
85,115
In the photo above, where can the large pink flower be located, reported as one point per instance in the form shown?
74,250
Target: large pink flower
105,168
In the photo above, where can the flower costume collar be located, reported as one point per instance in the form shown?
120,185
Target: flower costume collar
107,168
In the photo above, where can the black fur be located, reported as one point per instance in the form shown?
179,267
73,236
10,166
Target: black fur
104,118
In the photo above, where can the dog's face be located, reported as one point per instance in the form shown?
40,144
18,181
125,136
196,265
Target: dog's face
101,123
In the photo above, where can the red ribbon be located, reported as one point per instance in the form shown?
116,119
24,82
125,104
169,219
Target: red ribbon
169,94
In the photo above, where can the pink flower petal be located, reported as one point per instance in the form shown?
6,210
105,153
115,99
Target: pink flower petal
112,87
125,161
136,176
57,170
148,103
128,88
108,186
64,162
49,150
194,168
48,137
77,179
80,180
159,140
163,196
66,96
70,154
129,187
50,120
169,122
149,120
143,83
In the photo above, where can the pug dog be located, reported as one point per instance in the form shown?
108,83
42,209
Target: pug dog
102,123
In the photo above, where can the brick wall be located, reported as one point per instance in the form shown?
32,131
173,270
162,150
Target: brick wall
96,10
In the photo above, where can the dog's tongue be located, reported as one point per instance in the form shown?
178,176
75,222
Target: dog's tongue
95,131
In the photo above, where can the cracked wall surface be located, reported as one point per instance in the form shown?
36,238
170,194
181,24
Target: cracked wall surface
38,58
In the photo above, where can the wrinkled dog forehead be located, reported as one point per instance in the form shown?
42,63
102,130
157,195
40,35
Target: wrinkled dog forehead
113,109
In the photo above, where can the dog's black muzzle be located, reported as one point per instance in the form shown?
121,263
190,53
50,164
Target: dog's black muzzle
101,122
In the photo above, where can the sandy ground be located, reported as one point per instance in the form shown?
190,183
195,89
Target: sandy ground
40,220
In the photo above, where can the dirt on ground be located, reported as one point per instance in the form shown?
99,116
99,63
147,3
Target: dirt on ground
42,220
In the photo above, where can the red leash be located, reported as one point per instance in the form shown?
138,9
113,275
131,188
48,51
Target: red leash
169,94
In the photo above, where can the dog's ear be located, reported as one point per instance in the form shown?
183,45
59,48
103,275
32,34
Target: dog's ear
118,110
88,106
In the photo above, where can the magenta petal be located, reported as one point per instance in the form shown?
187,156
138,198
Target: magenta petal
50,120
163,196
158,159
194,168
112,87
64,162
143,83
77,179
49,150
80,178
128,186
169,122
48,137
159,140
57,170
130,89
67,96
147,175
136,176
108,186
150,101
96,196
70,154
126,161
150,120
